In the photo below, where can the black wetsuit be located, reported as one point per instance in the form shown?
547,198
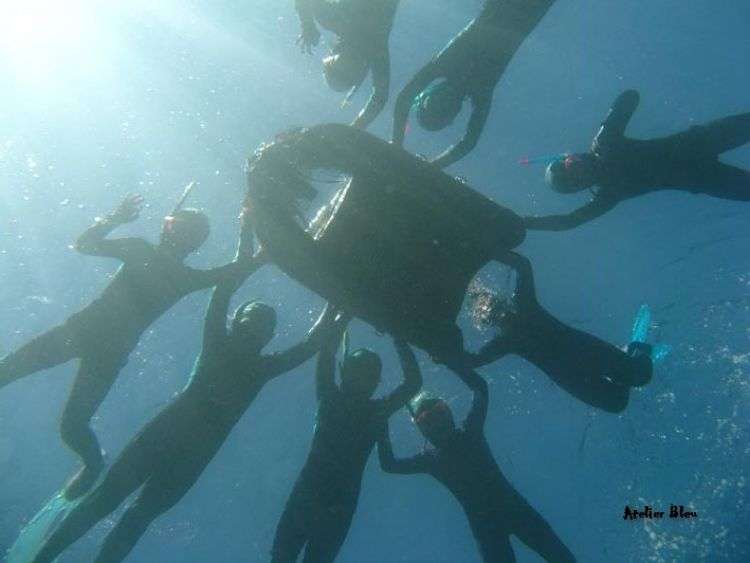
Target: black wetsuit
169,454
588,368
102,335
319,511
473,63
466,467
364,25
625,168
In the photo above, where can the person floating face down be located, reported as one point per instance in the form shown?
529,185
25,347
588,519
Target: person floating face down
622,168
349,422
363,28
462,461
470,66
150,281
593,371
170,453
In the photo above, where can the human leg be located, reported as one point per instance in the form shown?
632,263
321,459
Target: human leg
47,350
292,533
124,477
533,530
94,379
160,494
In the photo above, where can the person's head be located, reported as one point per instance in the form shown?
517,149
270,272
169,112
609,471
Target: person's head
438,105
360,373
571,174
434,418
184,231
344,69
253,326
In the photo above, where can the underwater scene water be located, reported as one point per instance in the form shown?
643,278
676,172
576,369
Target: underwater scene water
104,99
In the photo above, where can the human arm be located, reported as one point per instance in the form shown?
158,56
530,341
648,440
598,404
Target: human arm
477,121
94,241
477,416
309,36
620,114
405,101
411,383
525,293
405,466
495,349
326,331
325,371
245,261
215,323
597,207
381,83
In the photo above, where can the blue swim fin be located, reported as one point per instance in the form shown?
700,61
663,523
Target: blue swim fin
641,325
35,533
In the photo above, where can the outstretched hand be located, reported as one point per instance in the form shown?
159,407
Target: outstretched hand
309,38
331,323
128,210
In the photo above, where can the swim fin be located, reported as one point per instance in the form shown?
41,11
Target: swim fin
641,325
37,531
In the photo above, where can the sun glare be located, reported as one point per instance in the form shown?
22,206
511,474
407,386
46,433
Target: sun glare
45,38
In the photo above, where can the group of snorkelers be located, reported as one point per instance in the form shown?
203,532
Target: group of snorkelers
166,458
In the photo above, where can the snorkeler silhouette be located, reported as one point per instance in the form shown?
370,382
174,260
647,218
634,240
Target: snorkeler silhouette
588,368
151,279
363,28
470,66
171,452
349,422
623,168
463,462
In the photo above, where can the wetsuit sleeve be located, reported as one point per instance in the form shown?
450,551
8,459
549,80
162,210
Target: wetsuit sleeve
495,349
381,84
617,119
325,372
240,268
326,328
405,466
427,74
525,293
215,323
597,207
479,115
411,384
94,242
477,416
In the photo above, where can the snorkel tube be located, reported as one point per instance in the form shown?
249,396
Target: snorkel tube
545,160
183,198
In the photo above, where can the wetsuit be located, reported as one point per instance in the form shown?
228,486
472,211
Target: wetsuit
466,467
625,168
588,368
170,453
363,25
319,511
473,63
149,282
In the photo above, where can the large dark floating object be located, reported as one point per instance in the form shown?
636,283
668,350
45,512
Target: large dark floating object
396,246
